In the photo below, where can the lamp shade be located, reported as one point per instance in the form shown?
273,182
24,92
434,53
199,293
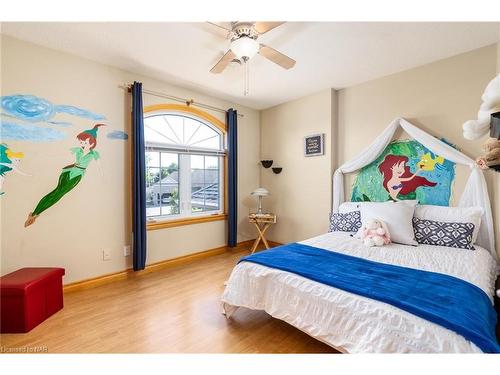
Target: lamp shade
245,47
260,192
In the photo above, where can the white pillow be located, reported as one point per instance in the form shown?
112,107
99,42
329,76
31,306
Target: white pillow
451,215
356,206
348,207
397,215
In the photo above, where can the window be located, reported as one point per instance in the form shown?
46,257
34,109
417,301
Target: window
184,166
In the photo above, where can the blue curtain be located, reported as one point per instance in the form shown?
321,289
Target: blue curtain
232,199
139,179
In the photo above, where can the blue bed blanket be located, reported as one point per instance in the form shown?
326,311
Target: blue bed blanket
445,300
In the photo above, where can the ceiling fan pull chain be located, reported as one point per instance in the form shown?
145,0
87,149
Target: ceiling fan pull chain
247,77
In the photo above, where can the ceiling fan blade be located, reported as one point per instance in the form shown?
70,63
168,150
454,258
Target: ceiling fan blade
276,57
223,25
223,62
264,27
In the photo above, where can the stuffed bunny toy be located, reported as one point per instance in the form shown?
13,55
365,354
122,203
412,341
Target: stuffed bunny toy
374,232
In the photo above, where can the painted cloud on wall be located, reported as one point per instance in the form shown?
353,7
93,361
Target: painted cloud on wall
27,132
30,118
34,109
62,124
117,134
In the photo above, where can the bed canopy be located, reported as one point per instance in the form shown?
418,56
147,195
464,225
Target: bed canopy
474,194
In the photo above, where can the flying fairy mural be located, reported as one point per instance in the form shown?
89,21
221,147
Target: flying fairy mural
406,170
9,161
70,175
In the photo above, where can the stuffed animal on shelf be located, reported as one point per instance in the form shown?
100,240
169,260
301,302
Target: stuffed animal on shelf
492,157
374,232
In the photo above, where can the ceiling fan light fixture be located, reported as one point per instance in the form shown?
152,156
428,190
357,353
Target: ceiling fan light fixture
245,47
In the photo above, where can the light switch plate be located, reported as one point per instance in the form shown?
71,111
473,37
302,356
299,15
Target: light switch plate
106,254
126,250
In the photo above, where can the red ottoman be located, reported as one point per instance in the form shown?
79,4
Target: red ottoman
28,297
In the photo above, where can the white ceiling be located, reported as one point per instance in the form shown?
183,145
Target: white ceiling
328,54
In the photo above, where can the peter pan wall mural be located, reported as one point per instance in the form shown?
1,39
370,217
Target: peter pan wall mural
71,174
406,170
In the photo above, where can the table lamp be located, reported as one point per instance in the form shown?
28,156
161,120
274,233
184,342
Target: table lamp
260,192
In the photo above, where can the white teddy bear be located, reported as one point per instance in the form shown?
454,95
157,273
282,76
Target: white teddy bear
474,129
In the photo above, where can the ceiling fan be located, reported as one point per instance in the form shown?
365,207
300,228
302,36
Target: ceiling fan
244,44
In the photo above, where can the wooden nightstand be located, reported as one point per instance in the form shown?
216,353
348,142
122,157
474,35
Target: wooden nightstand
262,222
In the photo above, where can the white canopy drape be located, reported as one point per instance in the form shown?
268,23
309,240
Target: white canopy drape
475,192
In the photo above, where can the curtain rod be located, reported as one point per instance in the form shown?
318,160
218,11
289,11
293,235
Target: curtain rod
188,102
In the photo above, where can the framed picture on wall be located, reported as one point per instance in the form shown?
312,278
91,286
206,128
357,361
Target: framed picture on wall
314,145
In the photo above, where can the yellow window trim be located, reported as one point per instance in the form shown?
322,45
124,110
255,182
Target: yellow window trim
187,109
153,225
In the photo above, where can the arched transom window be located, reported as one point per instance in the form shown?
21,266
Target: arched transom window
180,131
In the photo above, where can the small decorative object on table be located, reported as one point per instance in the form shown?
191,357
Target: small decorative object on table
262,223
260,192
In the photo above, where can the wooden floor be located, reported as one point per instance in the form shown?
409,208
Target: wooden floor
175,310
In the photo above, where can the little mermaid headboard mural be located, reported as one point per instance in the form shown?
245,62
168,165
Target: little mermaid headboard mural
406,170
474,194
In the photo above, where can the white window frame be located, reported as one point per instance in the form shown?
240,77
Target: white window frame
184,153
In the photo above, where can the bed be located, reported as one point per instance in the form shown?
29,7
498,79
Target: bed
351,322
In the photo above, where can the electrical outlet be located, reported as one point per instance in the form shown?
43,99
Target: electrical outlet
126,250
106,254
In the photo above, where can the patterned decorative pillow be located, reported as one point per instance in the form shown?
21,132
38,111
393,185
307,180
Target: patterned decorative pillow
439,233
346,222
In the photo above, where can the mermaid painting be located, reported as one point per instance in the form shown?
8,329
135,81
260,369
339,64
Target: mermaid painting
399,181
70,175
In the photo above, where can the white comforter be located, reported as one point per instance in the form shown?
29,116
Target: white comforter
352,323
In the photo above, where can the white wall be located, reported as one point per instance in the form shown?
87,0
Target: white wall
301,193
498,58
96,215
